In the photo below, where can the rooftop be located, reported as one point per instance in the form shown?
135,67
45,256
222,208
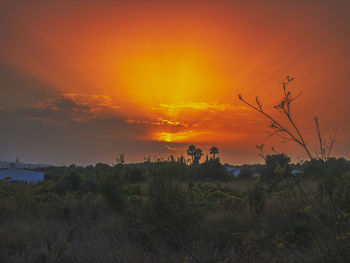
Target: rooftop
22,175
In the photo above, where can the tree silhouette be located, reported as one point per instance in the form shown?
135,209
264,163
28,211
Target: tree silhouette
198,155
195,153
213,151
191,151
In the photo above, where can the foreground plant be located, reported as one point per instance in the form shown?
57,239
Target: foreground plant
290,132
323,209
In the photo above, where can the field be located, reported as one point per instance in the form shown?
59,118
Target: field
170,211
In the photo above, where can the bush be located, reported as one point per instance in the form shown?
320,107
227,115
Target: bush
71,181
277,167
214,170
256,197
112,187
245,173
135,175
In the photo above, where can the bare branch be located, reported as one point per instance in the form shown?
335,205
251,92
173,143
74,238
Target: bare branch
330,148
261,151
284,108
322,151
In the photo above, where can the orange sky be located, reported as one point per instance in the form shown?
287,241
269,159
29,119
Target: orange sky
151,77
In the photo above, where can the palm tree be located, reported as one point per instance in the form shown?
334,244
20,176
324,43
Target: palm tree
214,150
198,155
191,151
195,153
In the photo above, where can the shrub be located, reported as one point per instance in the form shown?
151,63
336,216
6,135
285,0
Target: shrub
214,170
245,173
71,181
277,167
256,197
112,187
135,175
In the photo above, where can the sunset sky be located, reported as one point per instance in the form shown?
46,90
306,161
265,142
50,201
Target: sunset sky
83,81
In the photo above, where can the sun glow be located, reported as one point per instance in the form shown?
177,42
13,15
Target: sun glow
167,75
184,136
168,79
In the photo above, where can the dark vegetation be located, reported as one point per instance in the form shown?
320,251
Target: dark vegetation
178,211
171,211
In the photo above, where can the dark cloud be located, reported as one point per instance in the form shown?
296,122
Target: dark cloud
51,136
18,89
63,108
64,104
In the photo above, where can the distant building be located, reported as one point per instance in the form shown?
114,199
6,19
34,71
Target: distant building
233,171
15,165
19,165
296,172
22,175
